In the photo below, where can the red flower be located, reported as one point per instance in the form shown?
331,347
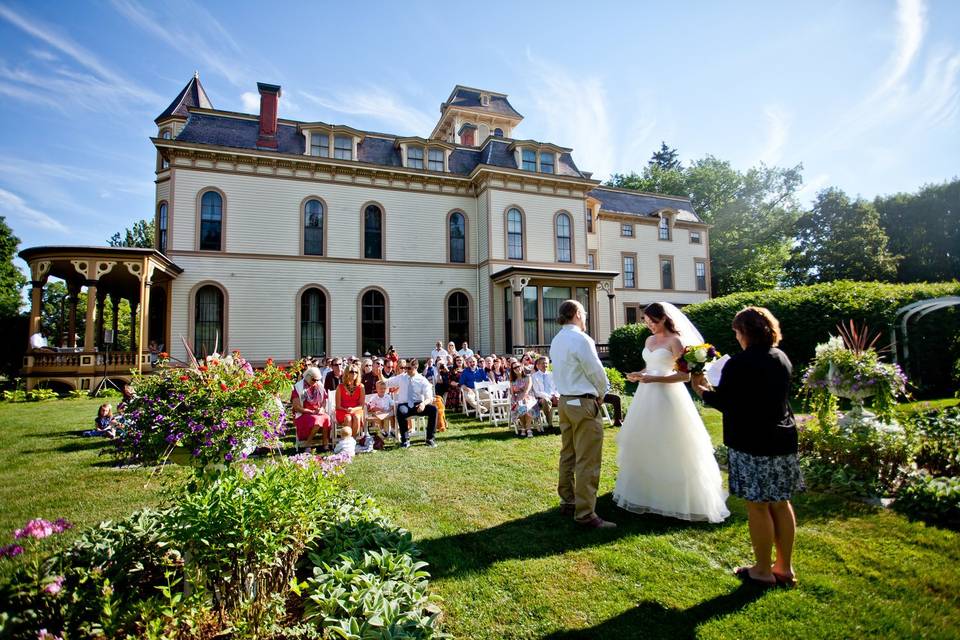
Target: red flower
215,362
223,386
280,368
243,383
164,355
184,378
269,361
258,385
202,367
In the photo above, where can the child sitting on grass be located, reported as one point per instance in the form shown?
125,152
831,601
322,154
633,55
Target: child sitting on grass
104,424
347,444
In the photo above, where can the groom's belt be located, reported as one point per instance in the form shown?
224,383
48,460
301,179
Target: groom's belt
592,396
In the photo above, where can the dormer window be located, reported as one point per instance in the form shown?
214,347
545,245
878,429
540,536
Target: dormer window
343,148
319,144
546,162
529,157
415,157
435,160
484,100
166,135
664,227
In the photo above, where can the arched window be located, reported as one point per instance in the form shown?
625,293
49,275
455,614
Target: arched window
166,134
564,239
458,237
162,228
498,132
373,233
514,234
664,227
458,317
313,322
211,221
373,322
313,228
208,321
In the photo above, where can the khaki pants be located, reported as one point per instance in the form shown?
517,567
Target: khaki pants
581,446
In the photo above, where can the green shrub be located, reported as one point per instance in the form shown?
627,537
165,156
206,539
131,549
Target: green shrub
107,392
617,381
78,394
39,395
932,499
808,315
862,462
938,433
15,395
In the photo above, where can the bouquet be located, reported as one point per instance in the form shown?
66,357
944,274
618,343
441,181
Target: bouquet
696,357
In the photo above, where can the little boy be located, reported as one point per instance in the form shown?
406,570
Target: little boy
381,408
347,444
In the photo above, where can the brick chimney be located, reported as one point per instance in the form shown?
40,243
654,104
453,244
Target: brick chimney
269,97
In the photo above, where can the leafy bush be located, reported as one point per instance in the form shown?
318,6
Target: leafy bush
932,499
938,433
617,381
15,395
78,394
108,392
808,315
39,395
864,461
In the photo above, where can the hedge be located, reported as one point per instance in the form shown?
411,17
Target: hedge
808,315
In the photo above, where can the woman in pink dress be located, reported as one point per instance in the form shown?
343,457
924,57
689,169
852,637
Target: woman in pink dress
309,400
523,404
350,397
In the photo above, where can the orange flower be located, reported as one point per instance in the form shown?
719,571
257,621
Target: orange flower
184,378
164,355
223,386
269,361
202,367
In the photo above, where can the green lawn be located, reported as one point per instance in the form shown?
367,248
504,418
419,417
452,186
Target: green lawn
482,507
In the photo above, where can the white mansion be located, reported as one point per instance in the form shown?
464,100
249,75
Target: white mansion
284,238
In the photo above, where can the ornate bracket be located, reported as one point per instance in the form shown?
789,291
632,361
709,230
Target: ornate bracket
517,284
82,267
103,268
39,271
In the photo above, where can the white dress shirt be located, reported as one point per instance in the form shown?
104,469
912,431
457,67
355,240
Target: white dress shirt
466,353
440,355
380,403
413,390
543,385
576,366
37,341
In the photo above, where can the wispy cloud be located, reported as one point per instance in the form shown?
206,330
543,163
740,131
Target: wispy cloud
911,25
15,208
778,131
58,83
377,105
810,188
20,171
251,101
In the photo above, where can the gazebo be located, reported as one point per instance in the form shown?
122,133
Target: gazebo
141,276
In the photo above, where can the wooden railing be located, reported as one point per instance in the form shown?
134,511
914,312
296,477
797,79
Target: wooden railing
56,360
83,362
603,350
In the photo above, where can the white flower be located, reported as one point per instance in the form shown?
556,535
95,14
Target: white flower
700,355
228,361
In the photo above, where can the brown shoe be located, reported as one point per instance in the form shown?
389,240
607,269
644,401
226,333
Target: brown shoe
598,523
567,510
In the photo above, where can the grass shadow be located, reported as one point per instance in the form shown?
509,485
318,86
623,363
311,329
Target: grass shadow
539,535
72,446
651,619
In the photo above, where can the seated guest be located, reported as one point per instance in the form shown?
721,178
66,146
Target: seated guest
392,355
439,354
325,368
39,343
453,387
496,373
381,408
430,371
370,376
128,395
614,401
468,380
349,400
528,360
346,444
414,398
545,389
309,400
389,369
466,351
104,424
523,405
332,381
452,350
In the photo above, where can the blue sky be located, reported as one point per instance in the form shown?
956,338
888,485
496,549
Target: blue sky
865,94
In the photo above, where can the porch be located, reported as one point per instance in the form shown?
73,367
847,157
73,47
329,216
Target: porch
101,276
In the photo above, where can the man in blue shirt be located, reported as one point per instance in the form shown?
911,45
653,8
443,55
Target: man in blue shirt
469,377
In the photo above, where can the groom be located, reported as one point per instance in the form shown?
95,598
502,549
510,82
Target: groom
582,382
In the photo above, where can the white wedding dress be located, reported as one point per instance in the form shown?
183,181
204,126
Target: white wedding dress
665,457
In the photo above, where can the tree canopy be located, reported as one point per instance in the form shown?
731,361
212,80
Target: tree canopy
140,235
12,279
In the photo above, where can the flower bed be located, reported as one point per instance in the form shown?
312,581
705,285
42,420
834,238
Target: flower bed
215,411
274,551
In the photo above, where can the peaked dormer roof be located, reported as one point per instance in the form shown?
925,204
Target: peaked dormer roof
192,95
468,98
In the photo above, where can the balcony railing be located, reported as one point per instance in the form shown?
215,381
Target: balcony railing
603,350
84,362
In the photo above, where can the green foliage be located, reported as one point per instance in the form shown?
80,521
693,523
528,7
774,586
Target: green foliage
665,158
924,227
12,279
862,462
15,395
840,239
107,392
930,498
41,394
617,381
78,394
626,346
809,315
939,441
140,235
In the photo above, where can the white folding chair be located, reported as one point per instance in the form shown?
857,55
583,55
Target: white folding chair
484,404
467,409
500,403
604,414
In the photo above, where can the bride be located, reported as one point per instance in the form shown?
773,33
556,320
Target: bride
665,457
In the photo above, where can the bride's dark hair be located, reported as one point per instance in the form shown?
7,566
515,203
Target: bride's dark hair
655,311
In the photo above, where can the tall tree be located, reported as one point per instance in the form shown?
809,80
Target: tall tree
12,279
841,239
924,228
666,158
140,235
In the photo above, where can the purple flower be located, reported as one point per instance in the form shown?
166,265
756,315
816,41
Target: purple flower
196,453
43,634
228,457
53,588
37,528
60,525
10,551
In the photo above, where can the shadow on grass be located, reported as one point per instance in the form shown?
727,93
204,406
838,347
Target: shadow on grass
540,535
650,619
79,444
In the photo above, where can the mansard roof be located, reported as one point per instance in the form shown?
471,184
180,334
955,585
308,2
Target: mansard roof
643,204
192,95
240,131
469,98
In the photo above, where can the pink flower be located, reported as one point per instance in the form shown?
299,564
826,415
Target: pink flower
10,551
37,528
61,525
43,634
54,587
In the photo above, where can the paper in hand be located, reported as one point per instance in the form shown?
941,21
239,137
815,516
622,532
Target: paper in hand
715,370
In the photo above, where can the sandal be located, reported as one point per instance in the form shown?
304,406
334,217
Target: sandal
785,581
744,574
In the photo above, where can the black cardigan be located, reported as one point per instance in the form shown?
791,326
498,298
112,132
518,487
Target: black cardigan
754,397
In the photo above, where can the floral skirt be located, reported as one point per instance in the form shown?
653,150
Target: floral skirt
764,478
453,399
